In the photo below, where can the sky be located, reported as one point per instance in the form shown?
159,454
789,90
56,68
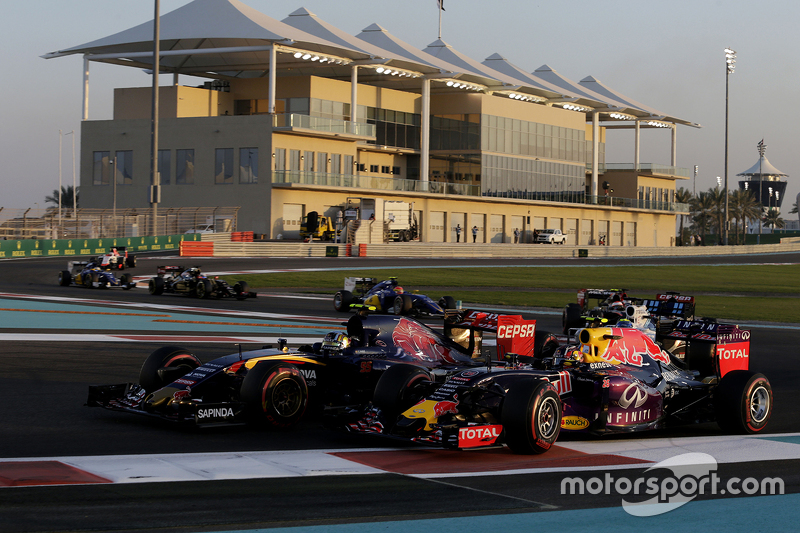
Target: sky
666,55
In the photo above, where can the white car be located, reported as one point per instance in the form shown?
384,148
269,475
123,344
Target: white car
204,228
551,236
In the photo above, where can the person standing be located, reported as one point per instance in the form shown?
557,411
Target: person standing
458,233
474,233
516,235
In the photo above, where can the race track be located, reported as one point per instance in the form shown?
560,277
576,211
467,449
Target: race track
66,467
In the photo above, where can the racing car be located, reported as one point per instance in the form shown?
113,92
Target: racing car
116,259
610,380
388,297
90,274
276,386
191,281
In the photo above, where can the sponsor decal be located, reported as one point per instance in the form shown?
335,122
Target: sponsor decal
516,330
308,374
419,342
474,436
596,366
623,418
446,406
214,412
676,297
574,422
183,381
564,383
469,373
515,335
633,395
181,394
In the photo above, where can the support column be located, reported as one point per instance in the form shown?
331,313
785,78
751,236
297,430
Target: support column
353,98
595,152
85,110
425,137
637,131
674,145
272,72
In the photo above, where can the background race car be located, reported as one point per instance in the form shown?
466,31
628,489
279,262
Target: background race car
191,281
611,380
116,259
90,274
389,297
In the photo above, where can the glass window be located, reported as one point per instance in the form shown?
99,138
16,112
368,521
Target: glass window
223,166
248,165
294,160
322,162
184,167
348,165
308,161
279,158
164,166
101,173
336,163
124,171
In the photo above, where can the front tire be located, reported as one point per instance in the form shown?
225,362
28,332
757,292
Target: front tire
155,286
203,288
342,301
275,393
64,278
241,288
531,416
571,317
743,402
165,365
402,304
447,302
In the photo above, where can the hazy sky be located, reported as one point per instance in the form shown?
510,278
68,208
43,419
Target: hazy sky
666,55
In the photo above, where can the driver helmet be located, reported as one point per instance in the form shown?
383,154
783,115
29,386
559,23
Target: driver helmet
624,323
335,342
398,290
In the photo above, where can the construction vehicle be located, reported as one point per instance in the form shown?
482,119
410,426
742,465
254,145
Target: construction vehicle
316,226
399,221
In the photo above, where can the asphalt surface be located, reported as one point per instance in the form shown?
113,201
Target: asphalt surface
43,387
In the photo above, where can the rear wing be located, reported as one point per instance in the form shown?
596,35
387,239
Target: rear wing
584,295
169,270
467,327
671,305
712,348
359,285
72,265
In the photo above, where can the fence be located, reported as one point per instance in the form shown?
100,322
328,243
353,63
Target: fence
111,223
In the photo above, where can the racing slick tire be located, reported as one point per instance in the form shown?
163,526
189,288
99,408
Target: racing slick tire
275,393
126,280
342,301
130,261
155,286
571,317
97,281
531,416
396,389
241,288
204,288
545,344
402,304
743,402
64,278
165,365
447,302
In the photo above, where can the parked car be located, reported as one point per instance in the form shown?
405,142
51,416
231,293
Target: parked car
551,236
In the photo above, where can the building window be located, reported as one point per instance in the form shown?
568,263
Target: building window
308,162
294,160
336,163
101,172
124,170
248,165
184,167
223,166
396,171
322,162
373,168
164,166
349,164
385,169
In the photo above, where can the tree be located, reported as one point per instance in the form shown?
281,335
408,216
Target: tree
743,207
717,196
66,197
773,219
701,208
683,196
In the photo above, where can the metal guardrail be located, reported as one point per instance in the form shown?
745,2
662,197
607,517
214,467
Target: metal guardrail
86,223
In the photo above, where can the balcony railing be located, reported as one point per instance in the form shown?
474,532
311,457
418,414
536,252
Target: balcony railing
351,181
329,125
652,168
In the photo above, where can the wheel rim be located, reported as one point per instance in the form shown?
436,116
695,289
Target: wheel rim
759,404
287,397
547,418
337,301
398,306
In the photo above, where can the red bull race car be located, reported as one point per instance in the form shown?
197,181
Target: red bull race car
606,380
276,386
389,297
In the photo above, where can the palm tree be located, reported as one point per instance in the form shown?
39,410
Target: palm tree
718,210
773,219
701,206
683,196
66,197
744,207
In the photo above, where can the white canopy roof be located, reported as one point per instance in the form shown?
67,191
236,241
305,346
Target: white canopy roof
762,168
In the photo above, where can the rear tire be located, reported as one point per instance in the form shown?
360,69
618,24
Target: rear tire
402,304
447,302
130,261
275,393
743,402
395,390
545,344
531,416
168,357
571,317
241,288
64,278
126,281
342,301
204,288
155,286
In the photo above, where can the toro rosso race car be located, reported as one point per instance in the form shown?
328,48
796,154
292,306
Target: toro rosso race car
191,281
609,380
388,297
90,274
276,386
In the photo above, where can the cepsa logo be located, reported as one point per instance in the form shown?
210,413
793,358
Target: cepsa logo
516,330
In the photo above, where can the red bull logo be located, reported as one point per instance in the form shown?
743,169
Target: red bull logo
446,406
